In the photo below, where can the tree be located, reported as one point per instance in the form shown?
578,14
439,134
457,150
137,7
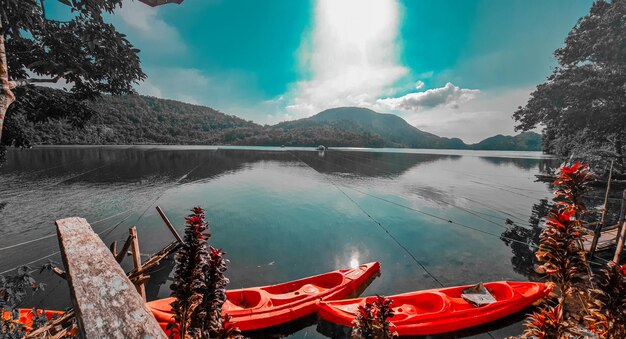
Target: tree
582,105
85,51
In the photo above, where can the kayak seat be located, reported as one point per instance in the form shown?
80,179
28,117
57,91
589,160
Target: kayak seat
501,291
321,283
305,291
424,303
246,298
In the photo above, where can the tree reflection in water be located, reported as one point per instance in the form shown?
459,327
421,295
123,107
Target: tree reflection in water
523,259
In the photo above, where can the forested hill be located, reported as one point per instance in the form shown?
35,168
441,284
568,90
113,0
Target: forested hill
51,118
132,119
394,130
526,141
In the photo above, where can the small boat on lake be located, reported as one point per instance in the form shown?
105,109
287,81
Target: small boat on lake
262,307
441,310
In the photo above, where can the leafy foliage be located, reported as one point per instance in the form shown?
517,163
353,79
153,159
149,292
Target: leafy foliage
607,311
189,281
372,321
39,107
199,285
546,323
563,258
581,105
13,290
571,183
85,50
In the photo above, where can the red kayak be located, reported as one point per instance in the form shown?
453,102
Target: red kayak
261,307
441,310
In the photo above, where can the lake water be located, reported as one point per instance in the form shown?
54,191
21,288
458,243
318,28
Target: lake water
282,214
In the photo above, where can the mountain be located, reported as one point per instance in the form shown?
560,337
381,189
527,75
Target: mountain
394,130
135,118
527,141
52,117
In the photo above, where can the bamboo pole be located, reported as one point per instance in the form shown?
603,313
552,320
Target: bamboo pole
622,231
137,260
598,230
169,224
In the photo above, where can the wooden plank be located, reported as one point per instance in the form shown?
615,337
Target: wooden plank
137,260
169,224
105,301
605,241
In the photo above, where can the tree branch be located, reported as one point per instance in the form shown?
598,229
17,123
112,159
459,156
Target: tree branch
43,9
26,82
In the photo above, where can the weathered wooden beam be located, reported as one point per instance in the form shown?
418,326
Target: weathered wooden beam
137,261
153,261
122,254
169,224
105,300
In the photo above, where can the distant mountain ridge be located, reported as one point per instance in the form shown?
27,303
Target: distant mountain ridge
526,141
390,127
398,133
136,119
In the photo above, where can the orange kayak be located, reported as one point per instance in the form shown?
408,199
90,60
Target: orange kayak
262,307
441,310
26,316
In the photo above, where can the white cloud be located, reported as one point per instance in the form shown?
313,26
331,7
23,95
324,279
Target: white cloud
487,115
350,56
448,95
147,30
229,92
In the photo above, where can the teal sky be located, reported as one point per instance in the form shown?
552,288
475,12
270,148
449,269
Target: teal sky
446,66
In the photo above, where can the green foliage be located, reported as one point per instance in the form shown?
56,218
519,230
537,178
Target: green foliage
372,321
85,50
395,131
581,105
37,112
526,141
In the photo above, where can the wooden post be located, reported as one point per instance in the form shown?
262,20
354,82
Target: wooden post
169,224
622,231
598,230
114,248
137,261
122,254
105,300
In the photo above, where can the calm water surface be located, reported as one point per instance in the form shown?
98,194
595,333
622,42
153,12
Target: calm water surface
283,214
